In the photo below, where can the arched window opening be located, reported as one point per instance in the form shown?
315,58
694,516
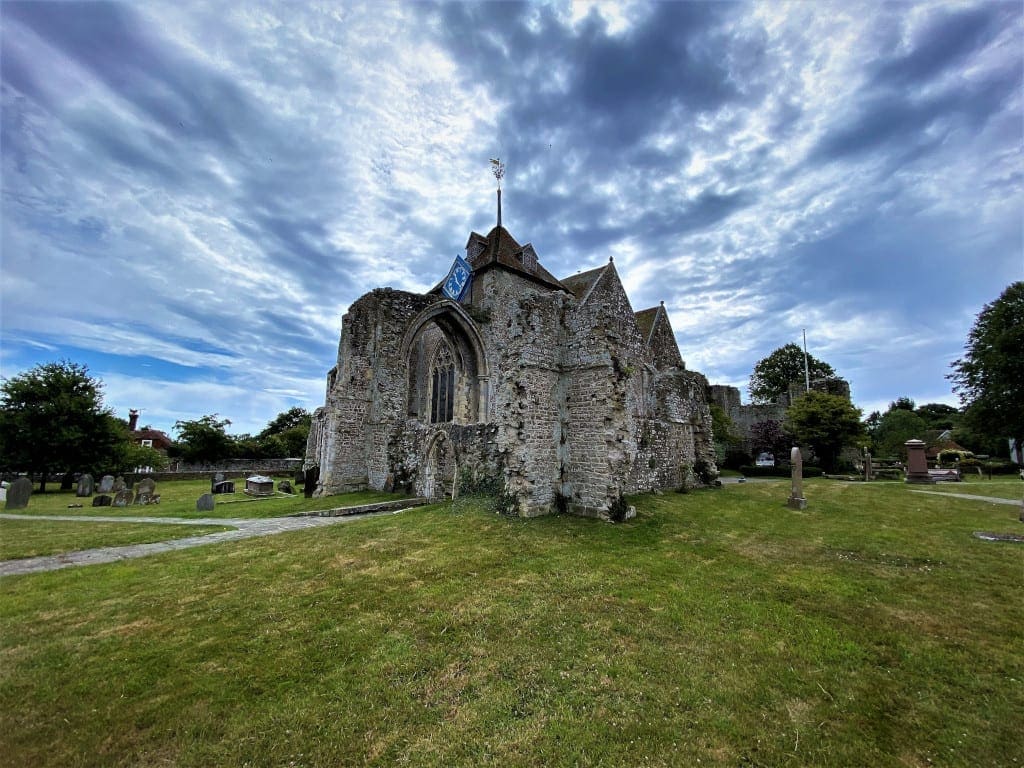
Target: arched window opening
442,386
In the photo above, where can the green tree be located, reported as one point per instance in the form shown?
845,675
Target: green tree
989,378
285,435
52,419
896,427
773,374
204,440
939,415
825,423
727,438
902,404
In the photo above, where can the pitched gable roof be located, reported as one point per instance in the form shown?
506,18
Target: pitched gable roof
501,249
645,322
582,283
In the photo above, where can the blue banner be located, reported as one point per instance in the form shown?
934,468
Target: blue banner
458,280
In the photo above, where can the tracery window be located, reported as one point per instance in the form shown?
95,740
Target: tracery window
442,386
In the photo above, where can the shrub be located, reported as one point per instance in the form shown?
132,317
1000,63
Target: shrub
702,469
618,509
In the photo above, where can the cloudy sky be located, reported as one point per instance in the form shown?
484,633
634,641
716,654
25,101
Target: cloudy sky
193,193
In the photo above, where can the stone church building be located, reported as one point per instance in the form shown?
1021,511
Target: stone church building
555,391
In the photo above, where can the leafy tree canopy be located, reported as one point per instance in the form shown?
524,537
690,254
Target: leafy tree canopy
989,378
939,415
902,404
896,427
52,419
286,420
204,440
826,423
770,436
773,374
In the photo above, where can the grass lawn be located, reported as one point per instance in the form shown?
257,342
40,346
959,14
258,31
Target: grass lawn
178,499
718,626
33,538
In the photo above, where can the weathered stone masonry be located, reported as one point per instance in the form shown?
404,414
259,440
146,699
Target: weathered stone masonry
555,389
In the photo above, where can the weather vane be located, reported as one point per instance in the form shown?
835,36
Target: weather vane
498,169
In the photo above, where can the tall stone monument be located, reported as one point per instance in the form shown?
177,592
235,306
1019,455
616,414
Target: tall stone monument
917,464
796,496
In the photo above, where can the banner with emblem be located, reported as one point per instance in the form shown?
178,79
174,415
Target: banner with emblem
459,278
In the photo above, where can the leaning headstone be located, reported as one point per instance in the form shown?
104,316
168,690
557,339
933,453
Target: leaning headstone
119,485
796,496
101,501
18,493
205,503
285,487
85,485
106,484
122,498
147,485
917,463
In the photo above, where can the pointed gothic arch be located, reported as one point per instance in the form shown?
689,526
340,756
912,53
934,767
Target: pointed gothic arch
446,367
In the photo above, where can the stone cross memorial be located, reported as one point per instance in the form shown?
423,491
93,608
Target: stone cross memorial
85,486
19,493
796,496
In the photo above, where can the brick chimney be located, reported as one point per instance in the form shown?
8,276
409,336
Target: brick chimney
133,419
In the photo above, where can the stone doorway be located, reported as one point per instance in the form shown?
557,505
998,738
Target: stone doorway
440,469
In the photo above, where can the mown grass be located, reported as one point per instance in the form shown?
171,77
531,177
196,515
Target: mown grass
35,538
719,627
178,499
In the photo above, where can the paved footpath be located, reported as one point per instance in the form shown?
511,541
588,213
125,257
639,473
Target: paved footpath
990,499
244,529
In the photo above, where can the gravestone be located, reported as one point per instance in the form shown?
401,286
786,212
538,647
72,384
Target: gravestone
85,484
312,476
3,490
147,486
18,493
101,501
217,478
917,463
224,486
106,484
122,498
205,503
285,487
796,496
867,466
119,485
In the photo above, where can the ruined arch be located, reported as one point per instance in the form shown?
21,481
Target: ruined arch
446,368
439,468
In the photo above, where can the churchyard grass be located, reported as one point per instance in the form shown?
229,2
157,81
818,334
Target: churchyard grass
717,628
178,499
34,538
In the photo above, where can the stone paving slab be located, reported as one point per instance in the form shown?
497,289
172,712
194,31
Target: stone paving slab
244,529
